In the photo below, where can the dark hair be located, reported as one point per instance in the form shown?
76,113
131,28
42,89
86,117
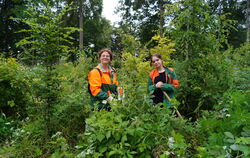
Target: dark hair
154,55
105,50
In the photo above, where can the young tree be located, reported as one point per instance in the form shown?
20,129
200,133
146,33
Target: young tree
46,44
195,30
200,38
47,40
237,11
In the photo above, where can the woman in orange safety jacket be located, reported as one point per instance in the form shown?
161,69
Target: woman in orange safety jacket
103,84
161,79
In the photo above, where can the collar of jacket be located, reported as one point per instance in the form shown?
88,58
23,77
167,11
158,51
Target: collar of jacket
103,70
155,73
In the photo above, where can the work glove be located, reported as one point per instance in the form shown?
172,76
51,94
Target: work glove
109,99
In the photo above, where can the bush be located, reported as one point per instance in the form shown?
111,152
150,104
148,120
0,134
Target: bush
134,128
203,80
14,89
227,128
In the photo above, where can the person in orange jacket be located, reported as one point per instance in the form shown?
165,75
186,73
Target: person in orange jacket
161,79
103,84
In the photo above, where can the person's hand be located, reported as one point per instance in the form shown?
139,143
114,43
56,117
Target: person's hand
110,98
159,84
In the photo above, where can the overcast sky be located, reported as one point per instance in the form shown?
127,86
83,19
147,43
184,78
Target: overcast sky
108,10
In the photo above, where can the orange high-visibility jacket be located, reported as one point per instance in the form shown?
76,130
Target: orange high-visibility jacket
102,85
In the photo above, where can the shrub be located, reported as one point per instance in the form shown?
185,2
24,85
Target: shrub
14,88
134,128
227,128
203,80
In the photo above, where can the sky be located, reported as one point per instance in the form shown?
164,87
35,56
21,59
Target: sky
108,10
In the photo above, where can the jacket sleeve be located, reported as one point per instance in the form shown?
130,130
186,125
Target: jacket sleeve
95,82
171,87
167,87
151,86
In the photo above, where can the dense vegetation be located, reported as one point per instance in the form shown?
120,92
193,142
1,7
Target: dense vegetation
44,103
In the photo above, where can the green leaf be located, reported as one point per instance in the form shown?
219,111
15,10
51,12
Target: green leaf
124,138
112,153
103,149
245,149
11,103
234,147
243,140
229,134
100,137
230,140
117,136
108,134
127,144
163,156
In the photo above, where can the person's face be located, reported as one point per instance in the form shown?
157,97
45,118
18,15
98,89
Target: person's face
157,62
105,58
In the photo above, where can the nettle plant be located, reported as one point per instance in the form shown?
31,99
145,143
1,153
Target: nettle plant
227,129
134,128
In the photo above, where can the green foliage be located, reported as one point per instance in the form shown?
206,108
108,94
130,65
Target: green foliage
73,107
8,27
25,141
96,33
135,68
241,59
96,28
236,11
59,146
203,81
7,126
227,128
49,104
133,62
143,18
65,112
133,128
30,141
14,88
195,30
129,43
47,40
164,47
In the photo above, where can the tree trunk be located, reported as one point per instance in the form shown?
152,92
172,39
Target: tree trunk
161,18
248,20
80,25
